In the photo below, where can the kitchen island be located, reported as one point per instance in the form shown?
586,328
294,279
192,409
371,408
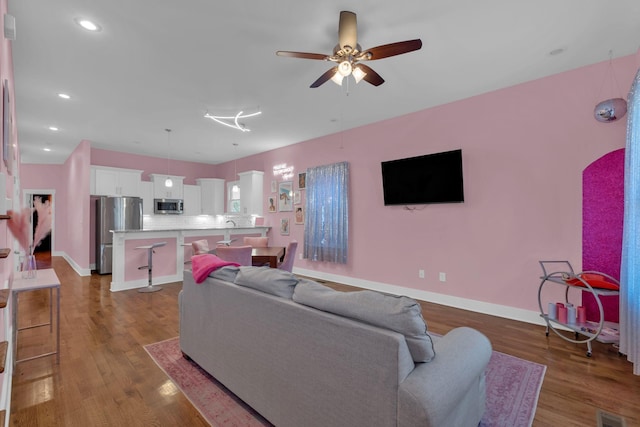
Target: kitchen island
168,260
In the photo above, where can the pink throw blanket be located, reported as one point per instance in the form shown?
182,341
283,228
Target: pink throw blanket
204,264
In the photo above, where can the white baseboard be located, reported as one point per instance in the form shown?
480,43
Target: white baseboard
498,310
81,271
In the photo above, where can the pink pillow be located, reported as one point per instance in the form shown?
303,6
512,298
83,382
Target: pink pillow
200,247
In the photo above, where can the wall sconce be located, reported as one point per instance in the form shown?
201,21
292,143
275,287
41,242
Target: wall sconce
614,108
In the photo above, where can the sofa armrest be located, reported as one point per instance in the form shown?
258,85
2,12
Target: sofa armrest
433,390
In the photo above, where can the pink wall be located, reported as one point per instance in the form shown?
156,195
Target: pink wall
76,208
524,149
49,177
71,210
190,170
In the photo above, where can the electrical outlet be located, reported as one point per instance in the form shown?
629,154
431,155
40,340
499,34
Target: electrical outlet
443,277
421,274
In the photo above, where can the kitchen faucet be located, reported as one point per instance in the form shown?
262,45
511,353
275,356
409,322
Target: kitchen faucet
232,222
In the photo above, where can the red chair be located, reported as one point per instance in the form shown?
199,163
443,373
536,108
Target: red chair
289,256
239,254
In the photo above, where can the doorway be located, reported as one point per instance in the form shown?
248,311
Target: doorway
41,204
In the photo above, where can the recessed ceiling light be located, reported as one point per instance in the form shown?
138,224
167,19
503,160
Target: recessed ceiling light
53,128
88,25
64,96
47,149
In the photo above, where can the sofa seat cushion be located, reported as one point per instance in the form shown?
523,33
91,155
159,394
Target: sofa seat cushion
397,313
269,280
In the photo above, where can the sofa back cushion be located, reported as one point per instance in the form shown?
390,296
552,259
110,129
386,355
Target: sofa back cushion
270,280
397,313
227,273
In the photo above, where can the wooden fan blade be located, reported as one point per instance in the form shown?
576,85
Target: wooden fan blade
393,49
370,76
347,30
302,55
325,77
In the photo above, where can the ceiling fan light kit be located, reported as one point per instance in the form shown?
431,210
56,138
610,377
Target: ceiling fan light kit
348,54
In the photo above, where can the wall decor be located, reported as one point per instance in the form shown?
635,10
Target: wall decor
285,196
296,197
284,226
302,180
274,186
271,204
299,215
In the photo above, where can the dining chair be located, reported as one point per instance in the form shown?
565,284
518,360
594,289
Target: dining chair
257,242
200,246
239,254
289,256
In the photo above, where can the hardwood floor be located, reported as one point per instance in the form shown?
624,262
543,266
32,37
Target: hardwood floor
106,378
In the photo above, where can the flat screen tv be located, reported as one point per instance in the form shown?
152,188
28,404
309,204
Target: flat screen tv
432,178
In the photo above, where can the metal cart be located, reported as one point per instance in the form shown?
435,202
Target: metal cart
559,272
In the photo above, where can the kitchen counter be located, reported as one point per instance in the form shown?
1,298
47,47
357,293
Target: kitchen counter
169,260
232,230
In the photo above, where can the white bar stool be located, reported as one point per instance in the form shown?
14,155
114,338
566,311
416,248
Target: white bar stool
150,250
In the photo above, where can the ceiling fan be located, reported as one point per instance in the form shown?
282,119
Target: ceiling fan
349,55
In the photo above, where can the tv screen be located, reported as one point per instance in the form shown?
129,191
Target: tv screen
432,178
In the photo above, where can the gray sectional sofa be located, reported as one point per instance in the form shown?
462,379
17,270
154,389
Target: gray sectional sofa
302,354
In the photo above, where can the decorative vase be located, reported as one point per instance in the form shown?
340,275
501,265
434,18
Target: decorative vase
29,267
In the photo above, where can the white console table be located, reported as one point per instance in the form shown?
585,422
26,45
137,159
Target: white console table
45,279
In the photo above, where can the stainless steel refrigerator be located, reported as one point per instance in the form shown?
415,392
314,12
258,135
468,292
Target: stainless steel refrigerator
114,213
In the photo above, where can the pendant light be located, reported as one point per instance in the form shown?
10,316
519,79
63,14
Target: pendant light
168,182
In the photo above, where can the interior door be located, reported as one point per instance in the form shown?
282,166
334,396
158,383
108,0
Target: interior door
41,205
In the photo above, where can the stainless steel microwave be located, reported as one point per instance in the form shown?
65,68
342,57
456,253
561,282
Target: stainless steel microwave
167,206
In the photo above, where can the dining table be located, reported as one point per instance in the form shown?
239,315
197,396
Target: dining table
267,255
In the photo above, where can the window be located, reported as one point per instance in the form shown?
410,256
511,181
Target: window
326,230
233,193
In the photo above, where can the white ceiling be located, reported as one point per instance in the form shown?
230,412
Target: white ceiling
161,64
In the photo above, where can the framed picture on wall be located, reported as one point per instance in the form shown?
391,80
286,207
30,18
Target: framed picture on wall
299,215
271,204
285,197
302,180
284,226
274,186
296,198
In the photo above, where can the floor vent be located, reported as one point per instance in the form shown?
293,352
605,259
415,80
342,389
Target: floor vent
606,419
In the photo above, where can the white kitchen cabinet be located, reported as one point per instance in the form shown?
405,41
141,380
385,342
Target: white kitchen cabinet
108,181
192,204
211,195
251,192
160,191
146,192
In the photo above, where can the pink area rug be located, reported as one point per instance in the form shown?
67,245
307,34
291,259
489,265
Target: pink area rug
513,387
